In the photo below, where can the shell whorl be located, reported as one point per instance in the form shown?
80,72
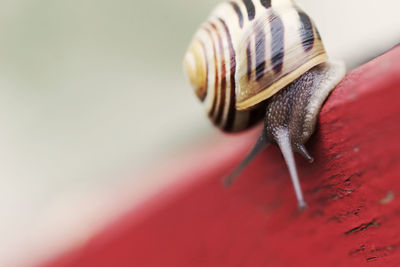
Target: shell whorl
247,51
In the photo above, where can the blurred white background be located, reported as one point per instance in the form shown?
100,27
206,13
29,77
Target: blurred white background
92,94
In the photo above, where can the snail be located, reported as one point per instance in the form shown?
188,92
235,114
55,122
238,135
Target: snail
255,60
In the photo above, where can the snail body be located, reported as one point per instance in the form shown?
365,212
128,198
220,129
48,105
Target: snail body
256,60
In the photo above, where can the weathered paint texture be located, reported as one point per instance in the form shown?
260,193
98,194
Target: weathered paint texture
352,188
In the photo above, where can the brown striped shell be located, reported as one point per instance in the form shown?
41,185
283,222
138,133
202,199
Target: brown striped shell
246,52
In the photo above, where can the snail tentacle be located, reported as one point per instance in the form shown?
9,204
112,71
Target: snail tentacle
285,145
261,144
303,151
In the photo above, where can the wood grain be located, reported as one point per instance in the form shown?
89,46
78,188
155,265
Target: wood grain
352,189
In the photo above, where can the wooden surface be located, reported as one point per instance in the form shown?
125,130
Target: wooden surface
352,189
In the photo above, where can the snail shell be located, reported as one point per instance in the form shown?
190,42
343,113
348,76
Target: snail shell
245,53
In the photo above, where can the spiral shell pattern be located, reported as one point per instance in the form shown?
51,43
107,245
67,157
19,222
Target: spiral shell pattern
246,52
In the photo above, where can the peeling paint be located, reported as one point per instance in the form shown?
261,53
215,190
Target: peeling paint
388,198
362,227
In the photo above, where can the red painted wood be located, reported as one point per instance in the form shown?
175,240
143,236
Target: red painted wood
353,192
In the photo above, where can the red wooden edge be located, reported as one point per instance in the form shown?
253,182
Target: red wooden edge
352,189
